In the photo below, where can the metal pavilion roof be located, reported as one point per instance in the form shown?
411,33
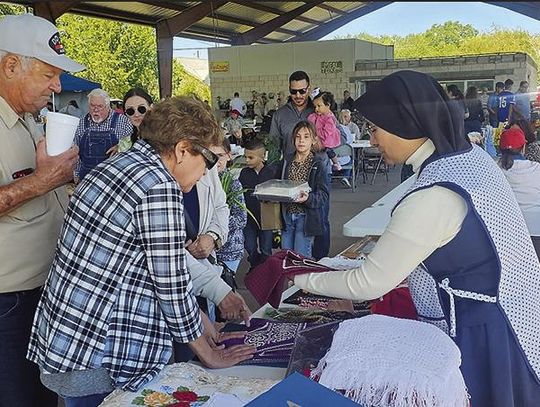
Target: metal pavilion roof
237,22
228,22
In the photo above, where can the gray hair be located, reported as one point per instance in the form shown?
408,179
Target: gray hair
25,61
341,114
100,93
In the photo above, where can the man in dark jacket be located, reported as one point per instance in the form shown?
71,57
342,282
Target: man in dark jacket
298,108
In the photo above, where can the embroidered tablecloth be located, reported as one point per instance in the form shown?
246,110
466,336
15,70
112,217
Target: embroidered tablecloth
188,385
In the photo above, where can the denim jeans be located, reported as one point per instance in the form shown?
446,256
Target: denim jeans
258,244
293,236
321,245
93,400
19,378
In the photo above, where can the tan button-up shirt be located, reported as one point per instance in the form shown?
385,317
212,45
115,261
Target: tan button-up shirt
29,233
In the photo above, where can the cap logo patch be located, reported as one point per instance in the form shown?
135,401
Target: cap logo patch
56,44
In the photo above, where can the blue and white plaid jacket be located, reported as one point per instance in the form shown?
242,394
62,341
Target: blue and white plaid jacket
118,291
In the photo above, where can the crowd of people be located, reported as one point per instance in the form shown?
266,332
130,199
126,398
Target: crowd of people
102,289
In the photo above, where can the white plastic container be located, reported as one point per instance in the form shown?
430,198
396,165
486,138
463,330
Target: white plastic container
277,190
60,132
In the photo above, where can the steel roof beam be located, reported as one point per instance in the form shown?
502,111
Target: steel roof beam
263,30
326,28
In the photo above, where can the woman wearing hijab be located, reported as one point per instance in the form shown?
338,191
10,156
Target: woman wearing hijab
459,236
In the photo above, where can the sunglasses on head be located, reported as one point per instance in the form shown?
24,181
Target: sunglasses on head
209,157
302,91
131,111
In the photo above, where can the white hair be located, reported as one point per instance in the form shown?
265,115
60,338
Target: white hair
25,61
100,93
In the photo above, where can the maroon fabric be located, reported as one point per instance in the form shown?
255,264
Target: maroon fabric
397,303
267,281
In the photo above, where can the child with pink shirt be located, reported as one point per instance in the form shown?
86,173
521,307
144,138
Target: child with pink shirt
326,124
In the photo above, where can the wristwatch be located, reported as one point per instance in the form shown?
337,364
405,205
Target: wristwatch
217,239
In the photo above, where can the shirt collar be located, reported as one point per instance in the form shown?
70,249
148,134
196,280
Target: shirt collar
422,154
7,114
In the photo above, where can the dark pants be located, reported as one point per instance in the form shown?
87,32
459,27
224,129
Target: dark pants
321,244
258,244
93,400
19,378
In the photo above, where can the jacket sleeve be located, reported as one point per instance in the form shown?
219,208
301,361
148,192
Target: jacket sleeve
206,279
220,218
331,132
275,131
320,191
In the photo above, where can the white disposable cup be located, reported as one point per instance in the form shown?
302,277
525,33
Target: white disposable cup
60,132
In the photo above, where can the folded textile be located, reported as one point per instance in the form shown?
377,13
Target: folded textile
311,316
274,340
397,303
308,300
267,281
391,362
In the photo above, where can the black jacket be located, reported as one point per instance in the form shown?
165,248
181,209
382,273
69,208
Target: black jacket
249,179
319,195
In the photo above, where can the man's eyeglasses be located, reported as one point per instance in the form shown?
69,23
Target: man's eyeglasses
131,111
302,91
209,157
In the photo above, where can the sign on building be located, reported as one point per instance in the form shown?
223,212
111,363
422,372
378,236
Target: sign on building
331,66
219,66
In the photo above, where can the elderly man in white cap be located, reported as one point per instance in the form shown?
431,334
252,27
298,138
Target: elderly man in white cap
31,205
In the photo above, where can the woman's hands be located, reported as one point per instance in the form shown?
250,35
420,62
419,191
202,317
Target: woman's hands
213,354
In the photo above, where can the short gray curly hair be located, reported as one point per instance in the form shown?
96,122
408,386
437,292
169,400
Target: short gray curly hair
100,93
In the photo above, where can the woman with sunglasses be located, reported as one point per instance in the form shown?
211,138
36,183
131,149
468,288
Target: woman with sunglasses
459,237
119,292
136,103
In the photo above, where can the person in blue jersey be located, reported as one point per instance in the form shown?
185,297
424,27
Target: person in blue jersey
459,237
506,102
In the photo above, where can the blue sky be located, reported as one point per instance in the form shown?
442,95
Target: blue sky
402,18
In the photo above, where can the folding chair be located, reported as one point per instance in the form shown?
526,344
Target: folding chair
346,150
373,162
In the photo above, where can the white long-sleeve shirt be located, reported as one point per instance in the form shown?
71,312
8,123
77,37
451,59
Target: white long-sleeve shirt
423,222
524,178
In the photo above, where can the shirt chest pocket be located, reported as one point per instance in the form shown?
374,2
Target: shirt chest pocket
24,164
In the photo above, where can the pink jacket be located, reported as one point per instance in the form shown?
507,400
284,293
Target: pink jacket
326,129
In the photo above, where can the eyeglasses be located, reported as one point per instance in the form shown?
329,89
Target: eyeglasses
131,111
302,91
210,158
370,128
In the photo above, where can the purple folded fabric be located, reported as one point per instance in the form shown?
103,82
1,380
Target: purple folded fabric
274,341
267,281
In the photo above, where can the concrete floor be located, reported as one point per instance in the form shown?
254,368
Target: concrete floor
344,205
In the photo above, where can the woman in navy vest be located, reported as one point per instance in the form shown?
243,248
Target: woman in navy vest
459,236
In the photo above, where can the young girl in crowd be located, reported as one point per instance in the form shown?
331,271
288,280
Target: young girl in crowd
136,103
232,251
303,218
326,124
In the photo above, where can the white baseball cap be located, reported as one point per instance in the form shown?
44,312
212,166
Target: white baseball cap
35,37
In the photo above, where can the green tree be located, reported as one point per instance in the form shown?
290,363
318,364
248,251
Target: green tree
6,9
121,56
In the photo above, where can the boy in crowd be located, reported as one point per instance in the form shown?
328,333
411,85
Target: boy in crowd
257,242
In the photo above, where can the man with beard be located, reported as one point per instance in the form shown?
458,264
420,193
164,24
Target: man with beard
99,132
